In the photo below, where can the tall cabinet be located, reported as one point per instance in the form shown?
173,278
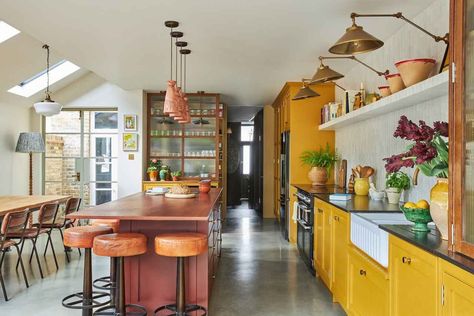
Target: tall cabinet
301,119
197,149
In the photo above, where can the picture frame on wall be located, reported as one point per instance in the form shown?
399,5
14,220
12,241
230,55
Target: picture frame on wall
130,142
130,122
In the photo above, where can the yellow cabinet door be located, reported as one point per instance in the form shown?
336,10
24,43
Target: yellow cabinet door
413,280
326,269
457,289
323,241
318,237
367,286
340,239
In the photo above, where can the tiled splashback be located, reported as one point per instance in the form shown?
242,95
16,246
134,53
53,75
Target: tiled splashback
367,142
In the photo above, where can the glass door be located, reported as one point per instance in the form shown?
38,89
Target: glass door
81,155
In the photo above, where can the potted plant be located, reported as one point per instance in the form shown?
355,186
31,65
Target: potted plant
321,161
176,175
396,183
153,167
429,154
164,173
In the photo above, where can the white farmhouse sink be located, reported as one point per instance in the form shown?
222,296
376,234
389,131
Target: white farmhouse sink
367,236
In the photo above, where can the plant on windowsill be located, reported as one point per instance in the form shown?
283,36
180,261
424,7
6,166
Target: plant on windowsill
396,183
153,167
321,161
175,175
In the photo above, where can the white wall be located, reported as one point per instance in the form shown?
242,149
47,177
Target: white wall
93,91
369,141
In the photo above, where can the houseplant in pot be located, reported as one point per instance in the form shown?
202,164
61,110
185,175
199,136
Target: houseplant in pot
154,167
321,161
396,183
175,175
429,154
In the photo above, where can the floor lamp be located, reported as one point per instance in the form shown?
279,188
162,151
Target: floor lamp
31,142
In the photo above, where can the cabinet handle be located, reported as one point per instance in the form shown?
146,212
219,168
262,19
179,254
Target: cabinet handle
320,210
406,260
362,272
336,218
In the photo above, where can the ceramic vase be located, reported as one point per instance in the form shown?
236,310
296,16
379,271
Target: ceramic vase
439,206
153,175
361,186
393,195
318,176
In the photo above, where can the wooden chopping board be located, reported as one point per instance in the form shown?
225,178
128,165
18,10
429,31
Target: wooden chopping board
180,196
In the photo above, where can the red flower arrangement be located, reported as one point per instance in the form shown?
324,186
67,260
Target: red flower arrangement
429,153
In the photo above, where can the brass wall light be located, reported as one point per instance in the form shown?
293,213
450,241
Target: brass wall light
305,92
356,40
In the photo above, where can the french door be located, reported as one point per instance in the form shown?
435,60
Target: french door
81,155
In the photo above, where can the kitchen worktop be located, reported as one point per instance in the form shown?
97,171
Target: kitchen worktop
358,204
431,242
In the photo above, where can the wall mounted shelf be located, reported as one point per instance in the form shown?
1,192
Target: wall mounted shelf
429,89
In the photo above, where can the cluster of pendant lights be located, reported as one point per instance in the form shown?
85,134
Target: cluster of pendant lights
354,41
176,103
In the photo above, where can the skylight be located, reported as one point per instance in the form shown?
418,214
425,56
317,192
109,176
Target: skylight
38,82
7,31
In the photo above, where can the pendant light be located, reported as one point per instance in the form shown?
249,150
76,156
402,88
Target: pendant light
176,110
170,96
187,116
180,116
201,121
47,107
355,40
305,92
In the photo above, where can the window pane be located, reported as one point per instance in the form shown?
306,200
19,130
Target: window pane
64,122
246,133
246,160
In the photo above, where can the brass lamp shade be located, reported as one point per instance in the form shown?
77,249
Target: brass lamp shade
355,41
325,74
305,93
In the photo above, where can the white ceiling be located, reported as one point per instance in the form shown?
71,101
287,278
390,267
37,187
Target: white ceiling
243,49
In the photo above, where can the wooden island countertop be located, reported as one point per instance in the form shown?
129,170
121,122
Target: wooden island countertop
141,206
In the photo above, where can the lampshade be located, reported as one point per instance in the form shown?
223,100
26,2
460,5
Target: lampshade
305,93
170,98
355,41
48,107
30,142
325,74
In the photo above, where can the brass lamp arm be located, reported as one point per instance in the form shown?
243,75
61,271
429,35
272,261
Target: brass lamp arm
399,15
339,86
380,73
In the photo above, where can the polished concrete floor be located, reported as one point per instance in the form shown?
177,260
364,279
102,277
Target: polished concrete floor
259,274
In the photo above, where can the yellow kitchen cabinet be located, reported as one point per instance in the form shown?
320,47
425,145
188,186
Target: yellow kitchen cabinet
340,247
413,280
457,290
323,241
148,185
368,286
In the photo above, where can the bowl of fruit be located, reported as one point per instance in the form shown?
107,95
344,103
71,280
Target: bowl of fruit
418,213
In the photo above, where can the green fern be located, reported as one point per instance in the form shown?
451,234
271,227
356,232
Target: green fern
323,158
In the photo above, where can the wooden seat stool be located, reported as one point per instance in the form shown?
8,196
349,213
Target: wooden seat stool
181,245
117,247
107,283
83,237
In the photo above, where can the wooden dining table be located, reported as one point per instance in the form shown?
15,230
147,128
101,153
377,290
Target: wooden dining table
9,203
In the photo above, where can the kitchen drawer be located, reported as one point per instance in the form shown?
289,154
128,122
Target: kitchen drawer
368,286
414,280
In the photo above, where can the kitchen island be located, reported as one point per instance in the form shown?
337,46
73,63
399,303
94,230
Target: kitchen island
150,279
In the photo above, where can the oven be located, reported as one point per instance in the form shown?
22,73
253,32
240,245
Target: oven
305,221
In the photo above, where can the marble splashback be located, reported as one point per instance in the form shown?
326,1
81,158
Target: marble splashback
369,141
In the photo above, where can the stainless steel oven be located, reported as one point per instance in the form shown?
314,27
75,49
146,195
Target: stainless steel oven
305,222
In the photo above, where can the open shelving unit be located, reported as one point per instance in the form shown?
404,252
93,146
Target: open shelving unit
429,89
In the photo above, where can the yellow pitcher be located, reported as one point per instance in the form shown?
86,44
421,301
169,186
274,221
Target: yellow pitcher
361,186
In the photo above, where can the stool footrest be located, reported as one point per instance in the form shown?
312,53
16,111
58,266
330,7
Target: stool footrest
81,303
103,283
135,310
188,309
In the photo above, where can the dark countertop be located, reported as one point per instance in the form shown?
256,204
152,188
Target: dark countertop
432,243
358,204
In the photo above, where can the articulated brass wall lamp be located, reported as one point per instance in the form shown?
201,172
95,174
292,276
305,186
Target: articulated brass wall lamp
356,40
305,92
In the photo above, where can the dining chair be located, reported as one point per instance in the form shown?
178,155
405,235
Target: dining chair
13,222
47,214
72,205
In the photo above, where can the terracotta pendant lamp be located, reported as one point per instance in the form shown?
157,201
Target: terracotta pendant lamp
180,116
176,109
186,118
355,40
170,96
305,92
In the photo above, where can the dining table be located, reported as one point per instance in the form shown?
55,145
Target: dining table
11,203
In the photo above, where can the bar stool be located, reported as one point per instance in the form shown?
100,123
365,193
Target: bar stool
117,247
181,245
107,283
83,237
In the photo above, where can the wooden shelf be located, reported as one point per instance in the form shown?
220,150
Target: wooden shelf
183,136
431,88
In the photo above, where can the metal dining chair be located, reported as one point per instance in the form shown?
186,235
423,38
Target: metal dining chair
47,214
72,205
13,222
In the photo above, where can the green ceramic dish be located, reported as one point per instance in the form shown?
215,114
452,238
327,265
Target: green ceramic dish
420,216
